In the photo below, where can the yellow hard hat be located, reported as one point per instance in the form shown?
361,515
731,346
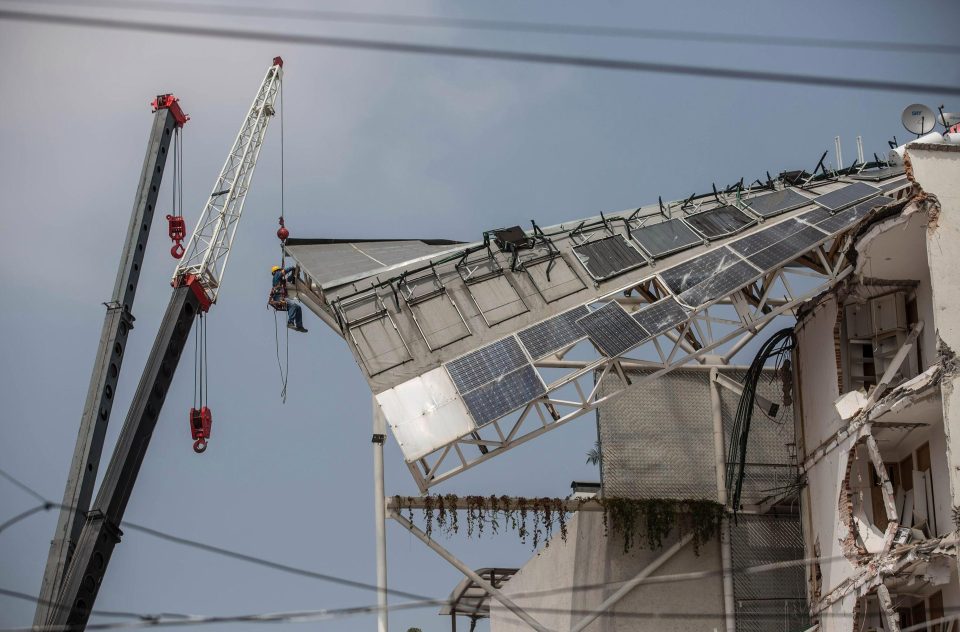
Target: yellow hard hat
274,269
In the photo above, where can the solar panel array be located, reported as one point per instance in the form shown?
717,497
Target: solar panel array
719,222
844,197
776,202
612,329
608,257
498,378
554,333
664,238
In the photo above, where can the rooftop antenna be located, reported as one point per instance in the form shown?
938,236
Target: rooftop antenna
918,119
836,142
860,149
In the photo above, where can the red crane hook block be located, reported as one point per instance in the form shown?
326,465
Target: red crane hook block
282,232
177,231
200,422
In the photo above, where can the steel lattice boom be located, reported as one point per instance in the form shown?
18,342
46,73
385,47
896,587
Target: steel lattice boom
210,243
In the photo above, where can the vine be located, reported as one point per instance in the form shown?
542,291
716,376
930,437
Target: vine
649,521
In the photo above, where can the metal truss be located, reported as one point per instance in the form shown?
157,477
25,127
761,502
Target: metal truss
210,243
731,320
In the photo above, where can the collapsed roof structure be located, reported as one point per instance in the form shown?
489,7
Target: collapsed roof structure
471,349
456,340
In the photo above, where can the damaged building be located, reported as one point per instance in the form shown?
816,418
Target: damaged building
836,464
875,372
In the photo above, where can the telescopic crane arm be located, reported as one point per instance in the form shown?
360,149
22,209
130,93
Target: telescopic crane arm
117,324
196,286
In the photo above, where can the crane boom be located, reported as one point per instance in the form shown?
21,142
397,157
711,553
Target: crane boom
209,246
117,323
196,285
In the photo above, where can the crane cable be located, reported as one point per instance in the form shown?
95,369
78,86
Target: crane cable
284,366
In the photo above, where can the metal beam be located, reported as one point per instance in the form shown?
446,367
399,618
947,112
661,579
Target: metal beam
101,529
428,477
466,570
117,323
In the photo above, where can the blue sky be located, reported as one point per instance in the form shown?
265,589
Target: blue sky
377,145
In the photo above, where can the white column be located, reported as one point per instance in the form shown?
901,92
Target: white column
380,517
719,452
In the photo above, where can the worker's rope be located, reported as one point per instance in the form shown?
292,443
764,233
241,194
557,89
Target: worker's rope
283,366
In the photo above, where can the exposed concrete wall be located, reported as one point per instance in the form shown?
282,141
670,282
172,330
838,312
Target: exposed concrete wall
589,558
938,173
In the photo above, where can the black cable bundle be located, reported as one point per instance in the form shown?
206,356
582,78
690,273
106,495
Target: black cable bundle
778,345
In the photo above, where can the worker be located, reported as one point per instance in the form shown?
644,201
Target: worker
281,302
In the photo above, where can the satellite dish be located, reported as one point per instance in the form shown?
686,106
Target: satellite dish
918,119
950,118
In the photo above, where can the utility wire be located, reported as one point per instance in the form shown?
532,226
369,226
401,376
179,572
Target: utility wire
210,548
420,601
514,26
490,54
307,616
658,579
23,486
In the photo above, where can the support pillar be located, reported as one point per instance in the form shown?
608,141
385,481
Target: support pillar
508,603
380,517
726,556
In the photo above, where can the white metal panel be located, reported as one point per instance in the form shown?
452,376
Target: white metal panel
425,413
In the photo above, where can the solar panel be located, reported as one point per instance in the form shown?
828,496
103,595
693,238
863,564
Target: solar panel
846,218
486,364
842,198
719,285
661,316
612,329
886,187
690,273
608,257
755,242
504,395
815,216
719,222
879,174
771,204
664,238
554,333
787,248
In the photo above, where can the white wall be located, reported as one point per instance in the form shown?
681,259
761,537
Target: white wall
590,558
938,172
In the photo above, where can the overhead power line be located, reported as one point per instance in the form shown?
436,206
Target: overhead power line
210,548
489,54
515,26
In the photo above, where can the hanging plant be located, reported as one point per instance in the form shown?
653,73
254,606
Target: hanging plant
650,521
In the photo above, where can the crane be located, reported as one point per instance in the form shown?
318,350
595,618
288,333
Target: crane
72,578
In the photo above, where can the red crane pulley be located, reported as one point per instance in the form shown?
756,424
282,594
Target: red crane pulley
200,422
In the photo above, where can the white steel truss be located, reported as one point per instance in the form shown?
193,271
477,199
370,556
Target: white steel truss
731,320
209,246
